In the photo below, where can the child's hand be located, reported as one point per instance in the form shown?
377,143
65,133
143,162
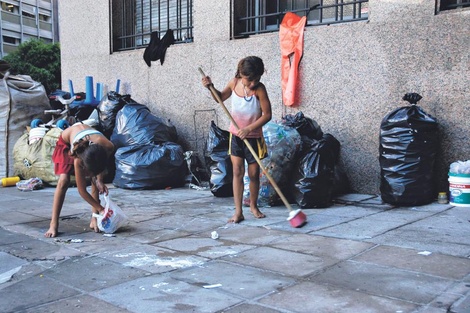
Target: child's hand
242,133
206,81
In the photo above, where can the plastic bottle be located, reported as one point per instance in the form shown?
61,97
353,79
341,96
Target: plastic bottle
442,198
10,181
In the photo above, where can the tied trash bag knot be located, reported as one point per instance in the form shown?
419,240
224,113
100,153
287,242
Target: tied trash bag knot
412,97
112,218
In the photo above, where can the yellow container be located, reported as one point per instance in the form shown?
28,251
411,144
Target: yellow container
10,181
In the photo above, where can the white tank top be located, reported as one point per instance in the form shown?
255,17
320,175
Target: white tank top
82,134
245,111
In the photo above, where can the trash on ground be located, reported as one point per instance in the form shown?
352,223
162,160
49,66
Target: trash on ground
69,240
30,184
214,235
212,286
4,277
425,253
460,167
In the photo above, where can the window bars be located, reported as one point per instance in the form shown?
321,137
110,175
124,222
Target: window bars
134,20
262,16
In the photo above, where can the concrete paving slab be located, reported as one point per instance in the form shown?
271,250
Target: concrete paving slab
428,240
191,224
205,247
314,222
152,197
164,294
8,237
318,221
38,229
15,217
339,249
405,216
452,297
24,272
350,211
359,229
9,266
311,297
238,280
384,281
462,306
168,243
354,197
90,243
279,261
441,233
250,308
33,292
250,235
38,250
431,207
145,233
434,264
91,273
376,201
78,304
153,259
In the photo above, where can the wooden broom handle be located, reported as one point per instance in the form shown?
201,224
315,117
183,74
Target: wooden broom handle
247,143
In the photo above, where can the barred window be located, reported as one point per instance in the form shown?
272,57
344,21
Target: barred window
444,5
261,16
134,20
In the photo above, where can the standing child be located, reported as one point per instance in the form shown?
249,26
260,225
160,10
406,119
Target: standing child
251,109
81,151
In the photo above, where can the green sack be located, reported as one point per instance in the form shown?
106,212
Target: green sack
35,159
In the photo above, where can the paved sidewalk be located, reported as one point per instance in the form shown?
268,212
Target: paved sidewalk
359,255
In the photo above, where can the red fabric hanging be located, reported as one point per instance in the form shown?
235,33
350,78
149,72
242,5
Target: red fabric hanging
291,36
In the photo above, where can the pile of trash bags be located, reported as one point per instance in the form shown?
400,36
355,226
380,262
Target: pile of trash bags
147,155
303,161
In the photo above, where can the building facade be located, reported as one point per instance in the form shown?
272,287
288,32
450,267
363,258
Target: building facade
359,59
22,20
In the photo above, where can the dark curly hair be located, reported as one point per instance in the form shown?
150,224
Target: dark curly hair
252,67
93,156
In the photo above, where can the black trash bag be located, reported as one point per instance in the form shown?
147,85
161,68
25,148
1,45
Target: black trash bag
314,175
198,173
218,160
150,166
408,147
108,108
136,125
305,126
342,183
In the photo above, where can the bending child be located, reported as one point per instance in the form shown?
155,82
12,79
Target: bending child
251,109
81,151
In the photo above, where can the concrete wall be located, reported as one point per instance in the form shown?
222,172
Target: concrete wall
351,74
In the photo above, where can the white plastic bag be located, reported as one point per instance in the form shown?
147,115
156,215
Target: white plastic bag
112,218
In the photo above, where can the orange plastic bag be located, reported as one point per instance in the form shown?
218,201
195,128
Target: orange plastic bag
291,36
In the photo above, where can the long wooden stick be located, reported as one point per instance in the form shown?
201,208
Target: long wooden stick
247,143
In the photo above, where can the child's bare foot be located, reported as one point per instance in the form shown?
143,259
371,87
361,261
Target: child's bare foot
257,213
94,225
52,232
236,218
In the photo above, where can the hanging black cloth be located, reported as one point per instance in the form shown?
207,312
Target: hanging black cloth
157,47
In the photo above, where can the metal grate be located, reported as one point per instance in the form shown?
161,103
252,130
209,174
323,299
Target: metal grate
262,16
134,20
